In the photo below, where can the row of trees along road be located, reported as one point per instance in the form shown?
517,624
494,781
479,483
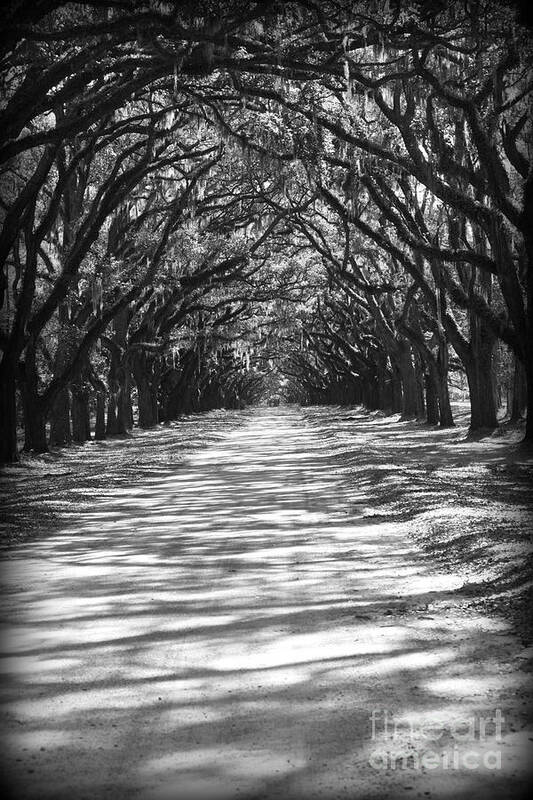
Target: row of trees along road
205,202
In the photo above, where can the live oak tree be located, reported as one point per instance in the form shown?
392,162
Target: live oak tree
403,129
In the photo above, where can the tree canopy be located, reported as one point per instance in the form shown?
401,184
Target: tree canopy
211,202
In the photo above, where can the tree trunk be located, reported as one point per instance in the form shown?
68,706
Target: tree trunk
60,433
410,401
496,384
371,393
112,425
383,399
528,438
8,414
120,416
397,399
432,403
437,392
34,414
480,384
34,426
479,373
517,406
154,391
124,411
476,357
147,376
147,412
81,425
445,409
420,387
527,228
99,428
112,428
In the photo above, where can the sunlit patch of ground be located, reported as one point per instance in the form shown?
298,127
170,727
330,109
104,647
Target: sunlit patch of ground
469,504
261,618
42,492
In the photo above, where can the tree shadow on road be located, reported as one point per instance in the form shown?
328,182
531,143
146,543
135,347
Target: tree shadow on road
231,629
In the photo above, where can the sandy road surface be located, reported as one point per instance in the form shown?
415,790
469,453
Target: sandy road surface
229,629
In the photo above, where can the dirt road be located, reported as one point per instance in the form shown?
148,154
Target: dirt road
232,628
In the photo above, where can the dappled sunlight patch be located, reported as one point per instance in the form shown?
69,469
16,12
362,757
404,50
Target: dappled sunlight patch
27,665
201,772
313,648
467,503
427,584
56,485
410,661
462,686
45,738
237,618
225,759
